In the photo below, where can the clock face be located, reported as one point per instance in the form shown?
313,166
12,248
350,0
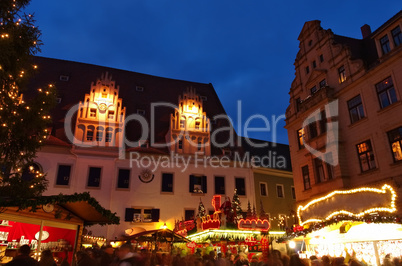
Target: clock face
48,207
146,176
102,107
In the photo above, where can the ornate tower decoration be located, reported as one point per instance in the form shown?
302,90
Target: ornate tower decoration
100,118
189,130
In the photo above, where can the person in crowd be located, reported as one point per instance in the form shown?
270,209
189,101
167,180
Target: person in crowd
127,257
106,255
23,258
83,259
326,260
295,260
46,258
242,260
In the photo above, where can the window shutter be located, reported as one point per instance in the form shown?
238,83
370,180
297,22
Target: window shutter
129,217
191,184
155,215
204,184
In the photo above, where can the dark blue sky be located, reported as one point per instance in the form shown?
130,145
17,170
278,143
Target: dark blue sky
246,49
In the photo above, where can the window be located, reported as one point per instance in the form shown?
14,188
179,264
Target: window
94,176
180,144
293,192
323,122
263,189
167,182
110,114
323,83
240,186
366,156
395,140
298,102
92,112
397,36
219,185
138,215
189,215
314,64
198,184
140,112
313,90
312,129
199,145
321,58
90,135
123,178
307,69
385,48
203,98
197,125
356,111
139,88
300,137
306,177
319,170
328,164
386,92
182,123
109,136
279,191
63,175
342,74
99,135
64,78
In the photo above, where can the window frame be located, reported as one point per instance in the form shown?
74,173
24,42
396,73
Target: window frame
118,178
164,176
397,132
238,189
355,104
306,177
58,173
263,184
301,137
201,184
320,176
185,214
342,74
396,36
293,192
385,44
368,154
88,176
217,190
389,90
282,191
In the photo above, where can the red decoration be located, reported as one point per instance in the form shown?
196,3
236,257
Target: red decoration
211,224
254,224
216,202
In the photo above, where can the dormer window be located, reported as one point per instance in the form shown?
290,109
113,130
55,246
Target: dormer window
397,36
385,48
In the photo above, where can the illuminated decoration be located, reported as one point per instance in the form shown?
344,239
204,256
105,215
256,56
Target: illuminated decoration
229,235
216,202
253,224
189,130
211,224
100,119
353,203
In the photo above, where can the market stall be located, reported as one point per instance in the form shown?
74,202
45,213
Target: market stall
360,223
48,222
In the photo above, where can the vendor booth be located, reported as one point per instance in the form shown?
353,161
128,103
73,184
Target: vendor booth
49,222
359,223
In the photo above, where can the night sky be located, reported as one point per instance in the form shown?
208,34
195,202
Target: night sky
246,49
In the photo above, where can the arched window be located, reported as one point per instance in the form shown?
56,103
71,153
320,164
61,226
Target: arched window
99,134
90,133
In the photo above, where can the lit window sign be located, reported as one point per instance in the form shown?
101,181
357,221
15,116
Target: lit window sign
253,224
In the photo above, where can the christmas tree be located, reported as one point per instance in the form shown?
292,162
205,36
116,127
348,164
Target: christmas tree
254,212
236,205
201,210
249,212
23,119
263,214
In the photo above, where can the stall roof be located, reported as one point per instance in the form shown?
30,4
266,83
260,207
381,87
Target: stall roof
81,205
160,232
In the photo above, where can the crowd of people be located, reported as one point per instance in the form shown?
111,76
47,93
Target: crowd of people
126,256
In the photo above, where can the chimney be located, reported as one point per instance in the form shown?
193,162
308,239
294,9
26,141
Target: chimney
366,30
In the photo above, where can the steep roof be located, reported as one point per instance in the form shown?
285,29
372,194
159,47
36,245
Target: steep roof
156,90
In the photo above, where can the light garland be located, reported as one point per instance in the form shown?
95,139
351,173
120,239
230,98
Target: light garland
383,190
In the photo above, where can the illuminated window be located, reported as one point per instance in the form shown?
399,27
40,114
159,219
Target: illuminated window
142,215
385,48
219,185
63,175
197,125
167,182
182,123
90,135
397,36
110,114
123,178
198,184
306,177
240,185
300,138
279,191
356,111
395,140
94,176
366,156
92,112
263,189
342,74
386,92
104,95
